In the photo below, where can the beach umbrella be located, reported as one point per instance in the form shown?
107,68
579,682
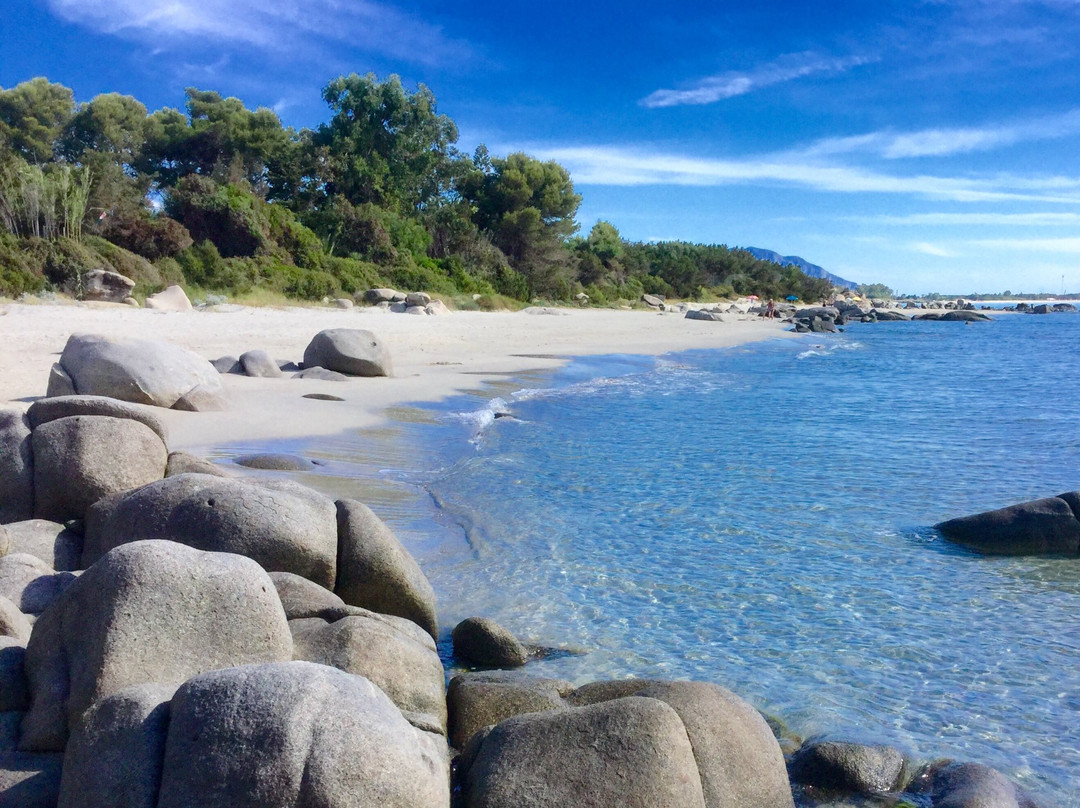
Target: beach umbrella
792,297
751,297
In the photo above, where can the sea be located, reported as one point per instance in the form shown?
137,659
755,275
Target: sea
761,517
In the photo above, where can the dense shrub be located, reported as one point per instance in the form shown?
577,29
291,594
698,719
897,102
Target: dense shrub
152,237
353,275
204,267
20,271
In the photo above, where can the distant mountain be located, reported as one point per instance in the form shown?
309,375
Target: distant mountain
813,270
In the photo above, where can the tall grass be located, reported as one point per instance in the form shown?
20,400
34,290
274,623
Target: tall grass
46,204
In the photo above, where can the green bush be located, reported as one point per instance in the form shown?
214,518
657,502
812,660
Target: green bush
306,284
510,283
20,271
353,275
204,267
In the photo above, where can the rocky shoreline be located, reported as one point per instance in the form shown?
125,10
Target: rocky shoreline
178,637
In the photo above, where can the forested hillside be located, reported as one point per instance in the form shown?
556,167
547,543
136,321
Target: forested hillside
222,198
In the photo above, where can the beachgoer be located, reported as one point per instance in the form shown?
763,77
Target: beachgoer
770,310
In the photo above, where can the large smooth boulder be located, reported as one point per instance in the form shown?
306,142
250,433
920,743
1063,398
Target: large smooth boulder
968,785
738,756
83,458
626,753
294,734
172,298
152,611
965,315
393,653
115,754
478,700
352,351
45,410
260,364
376,572
106,286
16,467
1044,526
284,526
483,642
840,766
143,371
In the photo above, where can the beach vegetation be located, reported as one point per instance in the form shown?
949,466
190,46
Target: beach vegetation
878,291
225,199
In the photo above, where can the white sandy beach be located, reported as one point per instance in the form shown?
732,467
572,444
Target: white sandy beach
434,357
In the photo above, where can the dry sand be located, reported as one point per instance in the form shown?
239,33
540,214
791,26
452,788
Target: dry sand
434,356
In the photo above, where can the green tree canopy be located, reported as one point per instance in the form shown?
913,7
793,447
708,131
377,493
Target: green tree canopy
384,144
219,137
33,115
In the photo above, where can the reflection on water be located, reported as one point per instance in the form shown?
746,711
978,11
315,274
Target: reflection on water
758,517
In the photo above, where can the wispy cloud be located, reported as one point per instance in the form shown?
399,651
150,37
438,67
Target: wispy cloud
603,165
1049,245
283,25
942,142
711,89
1043,219
926,248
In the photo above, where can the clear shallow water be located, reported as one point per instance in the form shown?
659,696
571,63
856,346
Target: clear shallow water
758,517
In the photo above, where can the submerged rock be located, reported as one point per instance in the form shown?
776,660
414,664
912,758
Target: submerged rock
483,642
1041,527
968,785
852,767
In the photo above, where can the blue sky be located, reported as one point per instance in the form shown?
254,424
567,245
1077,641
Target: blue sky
929,145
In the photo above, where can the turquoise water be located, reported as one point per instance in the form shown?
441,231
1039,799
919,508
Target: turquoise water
758,517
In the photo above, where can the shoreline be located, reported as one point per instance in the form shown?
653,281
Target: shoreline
434,357
458,360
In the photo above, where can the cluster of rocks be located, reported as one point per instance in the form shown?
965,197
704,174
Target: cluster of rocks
402,303
1042,308
818,320
160,374
170,636
959,304
1049,526
830,319
335,354
106,286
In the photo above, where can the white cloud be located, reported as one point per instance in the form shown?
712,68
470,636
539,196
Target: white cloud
601,165
281,25
941,142
728,85
926,248
1043,219
1050,245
